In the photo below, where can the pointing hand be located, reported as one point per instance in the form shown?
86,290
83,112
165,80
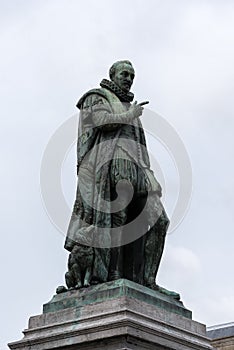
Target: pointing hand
137,109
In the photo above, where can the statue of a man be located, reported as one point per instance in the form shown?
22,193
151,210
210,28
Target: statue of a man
111,154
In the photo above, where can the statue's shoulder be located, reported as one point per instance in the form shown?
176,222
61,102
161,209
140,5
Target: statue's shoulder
92,93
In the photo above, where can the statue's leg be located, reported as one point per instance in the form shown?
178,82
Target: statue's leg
116,261
134,251
155,240
77,274
134,260
70,280
87,276
118,221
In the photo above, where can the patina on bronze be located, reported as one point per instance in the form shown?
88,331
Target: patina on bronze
111,153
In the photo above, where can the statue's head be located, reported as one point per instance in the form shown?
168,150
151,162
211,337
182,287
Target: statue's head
122,74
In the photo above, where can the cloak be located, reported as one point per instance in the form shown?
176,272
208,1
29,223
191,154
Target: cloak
99,138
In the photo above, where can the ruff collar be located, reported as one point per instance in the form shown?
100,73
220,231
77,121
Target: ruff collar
123,96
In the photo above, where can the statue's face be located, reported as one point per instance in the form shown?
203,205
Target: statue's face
124,76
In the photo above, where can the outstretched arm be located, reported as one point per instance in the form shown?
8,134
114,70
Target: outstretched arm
102,115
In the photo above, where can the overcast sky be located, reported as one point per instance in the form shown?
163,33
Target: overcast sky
183,54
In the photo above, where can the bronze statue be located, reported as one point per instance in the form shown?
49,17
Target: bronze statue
111,153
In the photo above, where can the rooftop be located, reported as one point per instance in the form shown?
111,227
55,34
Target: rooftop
224,330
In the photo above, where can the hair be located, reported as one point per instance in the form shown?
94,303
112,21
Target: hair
112,69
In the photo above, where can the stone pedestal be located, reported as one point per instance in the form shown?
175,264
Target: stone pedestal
119,315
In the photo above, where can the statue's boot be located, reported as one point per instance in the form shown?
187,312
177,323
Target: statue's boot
116,260
155,240
116,264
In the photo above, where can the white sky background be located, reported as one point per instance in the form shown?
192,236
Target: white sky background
51,53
